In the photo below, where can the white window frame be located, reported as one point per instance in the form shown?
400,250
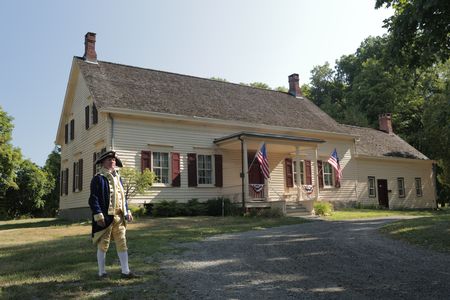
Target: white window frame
213,179
401,187
331,174
302,172
418,185
169,168
371,179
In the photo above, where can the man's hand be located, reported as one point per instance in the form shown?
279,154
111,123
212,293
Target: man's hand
129,217
101,222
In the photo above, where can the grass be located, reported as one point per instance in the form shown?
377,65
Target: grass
49,258
429,232
353,213
429,229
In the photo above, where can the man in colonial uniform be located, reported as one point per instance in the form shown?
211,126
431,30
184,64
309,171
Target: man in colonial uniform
109,213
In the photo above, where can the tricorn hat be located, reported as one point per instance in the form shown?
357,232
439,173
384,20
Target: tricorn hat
107,155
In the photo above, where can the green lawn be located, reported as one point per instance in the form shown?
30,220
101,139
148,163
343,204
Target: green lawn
49,258
353,213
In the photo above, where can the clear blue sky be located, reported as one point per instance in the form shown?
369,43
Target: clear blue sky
241,41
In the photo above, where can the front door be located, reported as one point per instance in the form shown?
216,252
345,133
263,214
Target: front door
383,198
255,177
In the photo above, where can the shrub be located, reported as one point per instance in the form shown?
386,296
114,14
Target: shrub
137,211
195,208
265,212
323,208
214,207
148,209
166,208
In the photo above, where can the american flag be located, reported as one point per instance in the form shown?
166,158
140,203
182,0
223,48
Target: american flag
334,161
263,161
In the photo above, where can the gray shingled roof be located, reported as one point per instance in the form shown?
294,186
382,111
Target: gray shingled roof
374,142
125,87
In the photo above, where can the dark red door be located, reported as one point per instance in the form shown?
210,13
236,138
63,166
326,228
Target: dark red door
255,178
383,198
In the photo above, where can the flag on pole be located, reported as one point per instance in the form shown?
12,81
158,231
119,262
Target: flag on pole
334,161
263,161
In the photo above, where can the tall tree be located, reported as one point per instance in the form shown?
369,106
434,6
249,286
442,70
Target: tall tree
52,167
419,31
33,184
10,158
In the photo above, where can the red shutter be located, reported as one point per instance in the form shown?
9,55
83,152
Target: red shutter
337,182
86,117
66,133
72,129
146,162
308,172
218,170
176,169
289,173
320,171
80,175
66,183
94,114
192,169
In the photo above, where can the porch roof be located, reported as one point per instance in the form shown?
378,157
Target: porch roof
267,136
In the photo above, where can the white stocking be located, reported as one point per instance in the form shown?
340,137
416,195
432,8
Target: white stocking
101,262
123,257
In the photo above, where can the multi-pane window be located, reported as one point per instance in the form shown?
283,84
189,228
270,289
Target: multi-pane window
204,169
401,187
96,155
327,175
418,182
161,166
77,176
371,186
302,172
90,115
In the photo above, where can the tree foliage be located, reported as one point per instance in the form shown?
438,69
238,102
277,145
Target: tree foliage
53,168
9,156
135,182
33,184
419,31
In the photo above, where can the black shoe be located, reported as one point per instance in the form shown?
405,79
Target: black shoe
103,276
130,275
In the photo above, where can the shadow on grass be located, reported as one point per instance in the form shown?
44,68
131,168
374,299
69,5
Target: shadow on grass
33,223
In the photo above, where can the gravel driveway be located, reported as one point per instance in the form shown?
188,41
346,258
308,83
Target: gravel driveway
317,260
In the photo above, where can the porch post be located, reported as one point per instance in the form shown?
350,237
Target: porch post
316,171
245,169
298,175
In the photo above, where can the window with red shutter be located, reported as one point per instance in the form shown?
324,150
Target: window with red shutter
218,170
94,114
308,172
80,175
176,169
192,169
66,183
146,160
66,133
288,172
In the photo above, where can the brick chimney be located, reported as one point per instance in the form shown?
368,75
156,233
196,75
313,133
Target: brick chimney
385,123
89,48
294,86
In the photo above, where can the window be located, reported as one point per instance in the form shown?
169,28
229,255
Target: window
401,187
371,187
418,182
87,117
78,175
96,167
64,182
327,175
204,169
90,115
302,172
161,166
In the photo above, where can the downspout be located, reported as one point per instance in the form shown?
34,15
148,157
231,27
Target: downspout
112,131
242,172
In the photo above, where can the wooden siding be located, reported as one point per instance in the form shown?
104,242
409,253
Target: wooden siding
86,142
391,170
